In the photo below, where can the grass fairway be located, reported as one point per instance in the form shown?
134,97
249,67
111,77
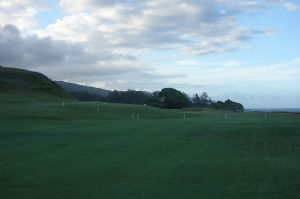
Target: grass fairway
50,151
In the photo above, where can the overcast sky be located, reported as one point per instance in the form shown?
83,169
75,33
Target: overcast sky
243,50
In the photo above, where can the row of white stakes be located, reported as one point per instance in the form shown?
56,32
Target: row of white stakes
99,107
138,114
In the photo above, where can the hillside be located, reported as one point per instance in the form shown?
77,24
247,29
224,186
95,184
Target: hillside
77,88
13,80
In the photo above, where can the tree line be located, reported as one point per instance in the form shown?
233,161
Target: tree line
168,98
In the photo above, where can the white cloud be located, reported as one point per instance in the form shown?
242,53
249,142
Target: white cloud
20,13
187,62
291,6
194,27
193,63
72,28
222,75
233,63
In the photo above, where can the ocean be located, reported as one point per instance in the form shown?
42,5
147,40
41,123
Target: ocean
288,110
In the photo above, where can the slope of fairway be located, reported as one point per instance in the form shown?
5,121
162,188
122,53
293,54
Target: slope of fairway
24,108
75,151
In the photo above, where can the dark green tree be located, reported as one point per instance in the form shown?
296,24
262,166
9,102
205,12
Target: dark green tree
231,105
172,98
196,100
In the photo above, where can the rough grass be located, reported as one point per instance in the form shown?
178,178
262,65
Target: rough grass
50,151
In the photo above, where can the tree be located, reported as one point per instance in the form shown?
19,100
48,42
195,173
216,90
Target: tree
202,101
228,105
129,97
196,100
218,105
172,98
231,105
205,99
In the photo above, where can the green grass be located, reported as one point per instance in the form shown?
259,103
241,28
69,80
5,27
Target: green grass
50,151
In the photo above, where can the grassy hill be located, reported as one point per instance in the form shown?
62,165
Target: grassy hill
23,82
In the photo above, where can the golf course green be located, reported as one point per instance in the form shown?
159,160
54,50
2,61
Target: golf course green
52,147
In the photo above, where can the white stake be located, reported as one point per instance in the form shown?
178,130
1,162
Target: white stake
132,115
137,117
98,108
265,116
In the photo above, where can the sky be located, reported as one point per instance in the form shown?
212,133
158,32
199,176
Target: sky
247,51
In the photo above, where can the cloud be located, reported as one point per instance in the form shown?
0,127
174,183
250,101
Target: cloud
233,63
20,13
291,6
60,59
230,72
193,27
32,51
193,63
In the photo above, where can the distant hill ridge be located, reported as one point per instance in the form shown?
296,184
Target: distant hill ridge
77,88
25,81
